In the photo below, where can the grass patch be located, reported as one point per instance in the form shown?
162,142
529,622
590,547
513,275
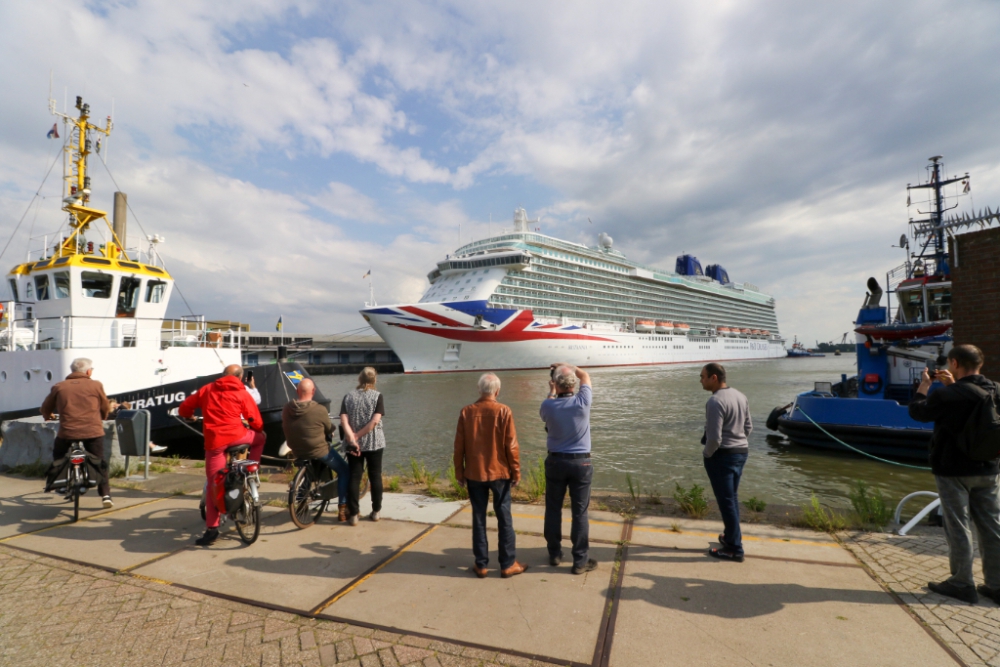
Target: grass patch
117,470
634,489
754,504
458,490
277,502
36,469
418,471
533,480
869,505
392,484
817,517
691,501
653,497
199,464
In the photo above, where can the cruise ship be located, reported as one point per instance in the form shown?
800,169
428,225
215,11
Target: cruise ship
524,300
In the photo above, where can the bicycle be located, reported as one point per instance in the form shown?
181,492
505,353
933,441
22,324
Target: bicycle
247,514
311,489
77,481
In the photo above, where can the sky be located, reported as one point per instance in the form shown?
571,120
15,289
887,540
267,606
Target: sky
283,149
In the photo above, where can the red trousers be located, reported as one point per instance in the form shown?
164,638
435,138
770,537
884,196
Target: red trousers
215,460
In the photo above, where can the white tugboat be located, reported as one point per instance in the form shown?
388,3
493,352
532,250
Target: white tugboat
83,293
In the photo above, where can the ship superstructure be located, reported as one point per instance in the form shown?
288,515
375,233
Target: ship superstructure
524,299
81,293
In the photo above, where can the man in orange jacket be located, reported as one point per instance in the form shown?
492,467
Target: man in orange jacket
224,404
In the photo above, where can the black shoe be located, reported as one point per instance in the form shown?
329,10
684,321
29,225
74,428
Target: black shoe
722,541
963,593
589,566
210,536
726,554
555,561
987,592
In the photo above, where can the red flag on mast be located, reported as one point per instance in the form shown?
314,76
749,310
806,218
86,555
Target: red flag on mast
54,132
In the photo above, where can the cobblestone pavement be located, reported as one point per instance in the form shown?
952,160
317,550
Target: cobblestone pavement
58,613
906,564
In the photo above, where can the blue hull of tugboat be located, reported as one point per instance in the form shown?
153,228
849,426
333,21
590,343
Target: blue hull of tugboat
875,426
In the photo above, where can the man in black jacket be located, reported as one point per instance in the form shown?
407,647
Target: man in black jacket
965,486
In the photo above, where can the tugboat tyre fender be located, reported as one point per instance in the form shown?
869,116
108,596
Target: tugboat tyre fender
869,387
777,413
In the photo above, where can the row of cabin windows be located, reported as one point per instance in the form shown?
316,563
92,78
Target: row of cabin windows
93,285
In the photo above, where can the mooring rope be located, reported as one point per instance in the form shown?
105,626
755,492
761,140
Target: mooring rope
194,430
855,449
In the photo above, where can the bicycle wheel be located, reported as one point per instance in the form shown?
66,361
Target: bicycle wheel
304,509
248,519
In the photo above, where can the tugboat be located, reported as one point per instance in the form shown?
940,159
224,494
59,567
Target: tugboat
868,411
83,293
799,350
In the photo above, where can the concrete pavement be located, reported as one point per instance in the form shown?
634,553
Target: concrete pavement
656,599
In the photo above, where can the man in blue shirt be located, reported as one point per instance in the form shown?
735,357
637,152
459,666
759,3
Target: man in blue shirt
566,413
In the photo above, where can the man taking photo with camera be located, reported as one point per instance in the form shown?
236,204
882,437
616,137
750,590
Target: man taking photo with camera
964,460
566,413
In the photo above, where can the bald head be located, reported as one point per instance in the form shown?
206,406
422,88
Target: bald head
306,390
234,369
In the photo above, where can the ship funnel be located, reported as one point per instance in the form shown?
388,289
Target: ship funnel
874,294
121,207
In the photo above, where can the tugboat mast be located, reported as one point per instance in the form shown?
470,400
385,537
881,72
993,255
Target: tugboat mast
931,226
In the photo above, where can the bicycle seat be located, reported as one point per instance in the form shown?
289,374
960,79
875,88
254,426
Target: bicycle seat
237,450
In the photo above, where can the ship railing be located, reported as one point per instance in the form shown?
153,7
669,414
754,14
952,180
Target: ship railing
48,245
24,332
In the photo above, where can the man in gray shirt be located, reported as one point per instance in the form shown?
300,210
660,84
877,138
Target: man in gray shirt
727,425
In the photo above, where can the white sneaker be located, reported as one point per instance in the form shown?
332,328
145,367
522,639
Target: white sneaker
157,449
353,521
106,500
375,516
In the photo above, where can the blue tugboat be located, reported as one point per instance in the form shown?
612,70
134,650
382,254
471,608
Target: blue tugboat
868,411
799,350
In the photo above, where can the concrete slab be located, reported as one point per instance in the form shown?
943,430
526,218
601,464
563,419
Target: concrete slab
429,588
685,609
287,566
766,541
411,507
531,519
12,486
35,510
124,538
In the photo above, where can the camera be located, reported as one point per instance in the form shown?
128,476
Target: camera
248,377
552,373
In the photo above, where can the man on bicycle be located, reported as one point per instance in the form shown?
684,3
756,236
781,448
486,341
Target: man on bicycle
82,406
224,404
308,429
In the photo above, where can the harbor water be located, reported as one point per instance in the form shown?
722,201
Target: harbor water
646,422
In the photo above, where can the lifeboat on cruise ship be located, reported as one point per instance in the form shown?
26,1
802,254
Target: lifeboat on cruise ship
746,332
644,326
724,331
732,331
682,328
766,333
755,332
664,327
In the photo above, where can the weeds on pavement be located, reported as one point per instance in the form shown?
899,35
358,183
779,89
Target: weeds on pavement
692,501
392,484
36,469
815,516
754,504
869,505
533,480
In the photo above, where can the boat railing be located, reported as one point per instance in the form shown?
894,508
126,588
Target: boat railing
48,245
22,333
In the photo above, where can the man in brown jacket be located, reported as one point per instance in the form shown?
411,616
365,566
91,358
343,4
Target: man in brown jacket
487,459
81,404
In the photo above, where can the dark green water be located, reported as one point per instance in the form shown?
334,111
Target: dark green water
645,421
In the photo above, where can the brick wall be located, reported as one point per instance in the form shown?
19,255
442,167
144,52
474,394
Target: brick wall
976,294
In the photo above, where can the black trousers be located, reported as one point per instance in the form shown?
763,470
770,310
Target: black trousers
479,497
372,461
93,445
573,474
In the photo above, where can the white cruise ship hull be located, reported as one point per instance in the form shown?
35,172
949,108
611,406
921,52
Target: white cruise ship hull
433,337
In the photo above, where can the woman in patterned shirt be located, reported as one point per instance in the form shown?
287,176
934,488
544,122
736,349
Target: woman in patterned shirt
361,416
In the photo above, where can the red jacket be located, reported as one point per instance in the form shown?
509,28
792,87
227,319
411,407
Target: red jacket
222,404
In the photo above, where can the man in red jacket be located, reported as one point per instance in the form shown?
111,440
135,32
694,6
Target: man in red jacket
225,404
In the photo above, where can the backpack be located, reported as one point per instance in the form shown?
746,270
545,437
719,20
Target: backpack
980,437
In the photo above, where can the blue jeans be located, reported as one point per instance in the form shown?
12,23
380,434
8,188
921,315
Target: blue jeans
337,463
724,471
479,497
573,474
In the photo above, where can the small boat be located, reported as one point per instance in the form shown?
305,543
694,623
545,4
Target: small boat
733,331
800,350
664,327
755,332
644,326
725,331
900,331
745,332
682,328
